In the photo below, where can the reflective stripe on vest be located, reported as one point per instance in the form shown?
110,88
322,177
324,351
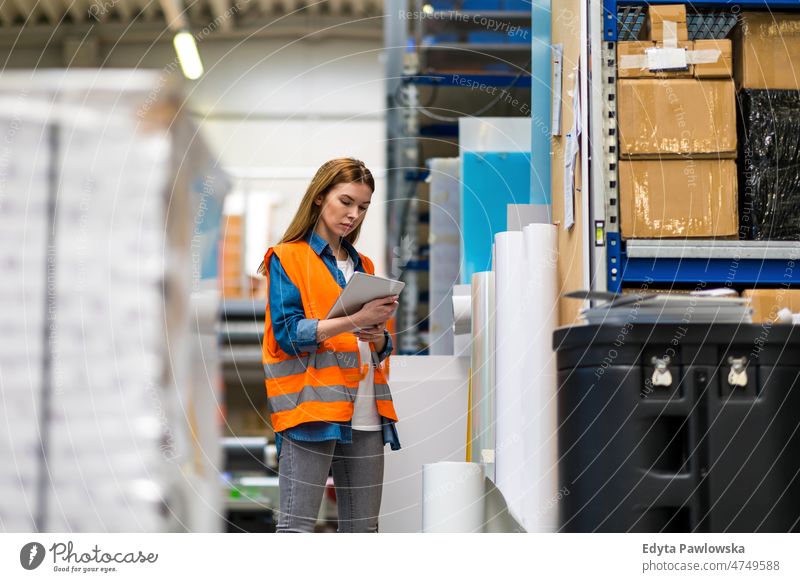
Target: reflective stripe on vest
382,392
316,360
285,402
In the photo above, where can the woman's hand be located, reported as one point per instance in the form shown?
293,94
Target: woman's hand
375,312
371,334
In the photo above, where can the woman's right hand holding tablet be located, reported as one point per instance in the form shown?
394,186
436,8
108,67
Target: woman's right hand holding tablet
375,311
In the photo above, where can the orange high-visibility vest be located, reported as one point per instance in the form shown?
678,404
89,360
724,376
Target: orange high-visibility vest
317,385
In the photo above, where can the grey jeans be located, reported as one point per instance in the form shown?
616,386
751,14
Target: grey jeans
357,474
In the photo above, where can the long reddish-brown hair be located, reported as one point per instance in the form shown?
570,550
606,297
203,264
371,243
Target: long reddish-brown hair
331,173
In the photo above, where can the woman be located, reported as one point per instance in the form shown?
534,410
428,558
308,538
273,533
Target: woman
326,378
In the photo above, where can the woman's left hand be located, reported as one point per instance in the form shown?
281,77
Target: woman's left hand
372,333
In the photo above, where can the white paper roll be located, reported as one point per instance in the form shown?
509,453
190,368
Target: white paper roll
511,371
462,309
452,498
540,473
427,391
482,436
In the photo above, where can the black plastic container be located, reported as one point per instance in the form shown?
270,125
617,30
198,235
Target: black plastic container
697,453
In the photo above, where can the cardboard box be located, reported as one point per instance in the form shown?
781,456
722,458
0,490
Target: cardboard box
658,15
767,302
722,67
667,12
676,117
678,198
767,51
632,61
657,31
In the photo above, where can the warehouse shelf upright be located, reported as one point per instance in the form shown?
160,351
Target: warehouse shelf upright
615,263
469,79
431,46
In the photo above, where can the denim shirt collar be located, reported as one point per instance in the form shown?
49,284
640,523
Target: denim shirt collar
321,247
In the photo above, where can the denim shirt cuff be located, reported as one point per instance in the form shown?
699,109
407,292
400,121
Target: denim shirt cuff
306,338
387,349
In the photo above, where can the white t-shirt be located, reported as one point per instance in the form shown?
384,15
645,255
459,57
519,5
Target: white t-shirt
365,413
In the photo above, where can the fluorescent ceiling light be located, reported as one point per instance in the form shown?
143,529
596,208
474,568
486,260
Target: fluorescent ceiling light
188,57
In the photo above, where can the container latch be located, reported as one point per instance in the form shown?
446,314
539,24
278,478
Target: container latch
738,374
661,375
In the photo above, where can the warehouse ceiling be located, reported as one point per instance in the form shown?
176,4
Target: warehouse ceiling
18,13
35,21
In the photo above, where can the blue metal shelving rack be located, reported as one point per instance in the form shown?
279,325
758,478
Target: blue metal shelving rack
715,263
469,80
664,263
610,9
407,79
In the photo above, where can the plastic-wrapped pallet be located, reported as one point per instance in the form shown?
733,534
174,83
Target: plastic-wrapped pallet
103,181
769,164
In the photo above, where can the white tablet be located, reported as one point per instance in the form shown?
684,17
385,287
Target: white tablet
361,289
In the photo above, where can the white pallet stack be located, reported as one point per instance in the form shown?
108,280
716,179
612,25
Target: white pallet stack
23,229
115,448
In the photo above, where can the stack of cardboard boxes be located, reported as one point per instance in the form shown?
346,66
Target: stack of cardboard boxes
678,138
677,133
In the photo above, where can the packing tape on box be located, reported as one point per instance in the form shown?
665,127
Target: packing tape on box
669,58
703,57
670,34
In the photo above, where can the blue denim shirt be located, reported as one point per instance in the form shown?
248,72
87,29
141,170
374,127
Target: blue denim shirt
296,334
